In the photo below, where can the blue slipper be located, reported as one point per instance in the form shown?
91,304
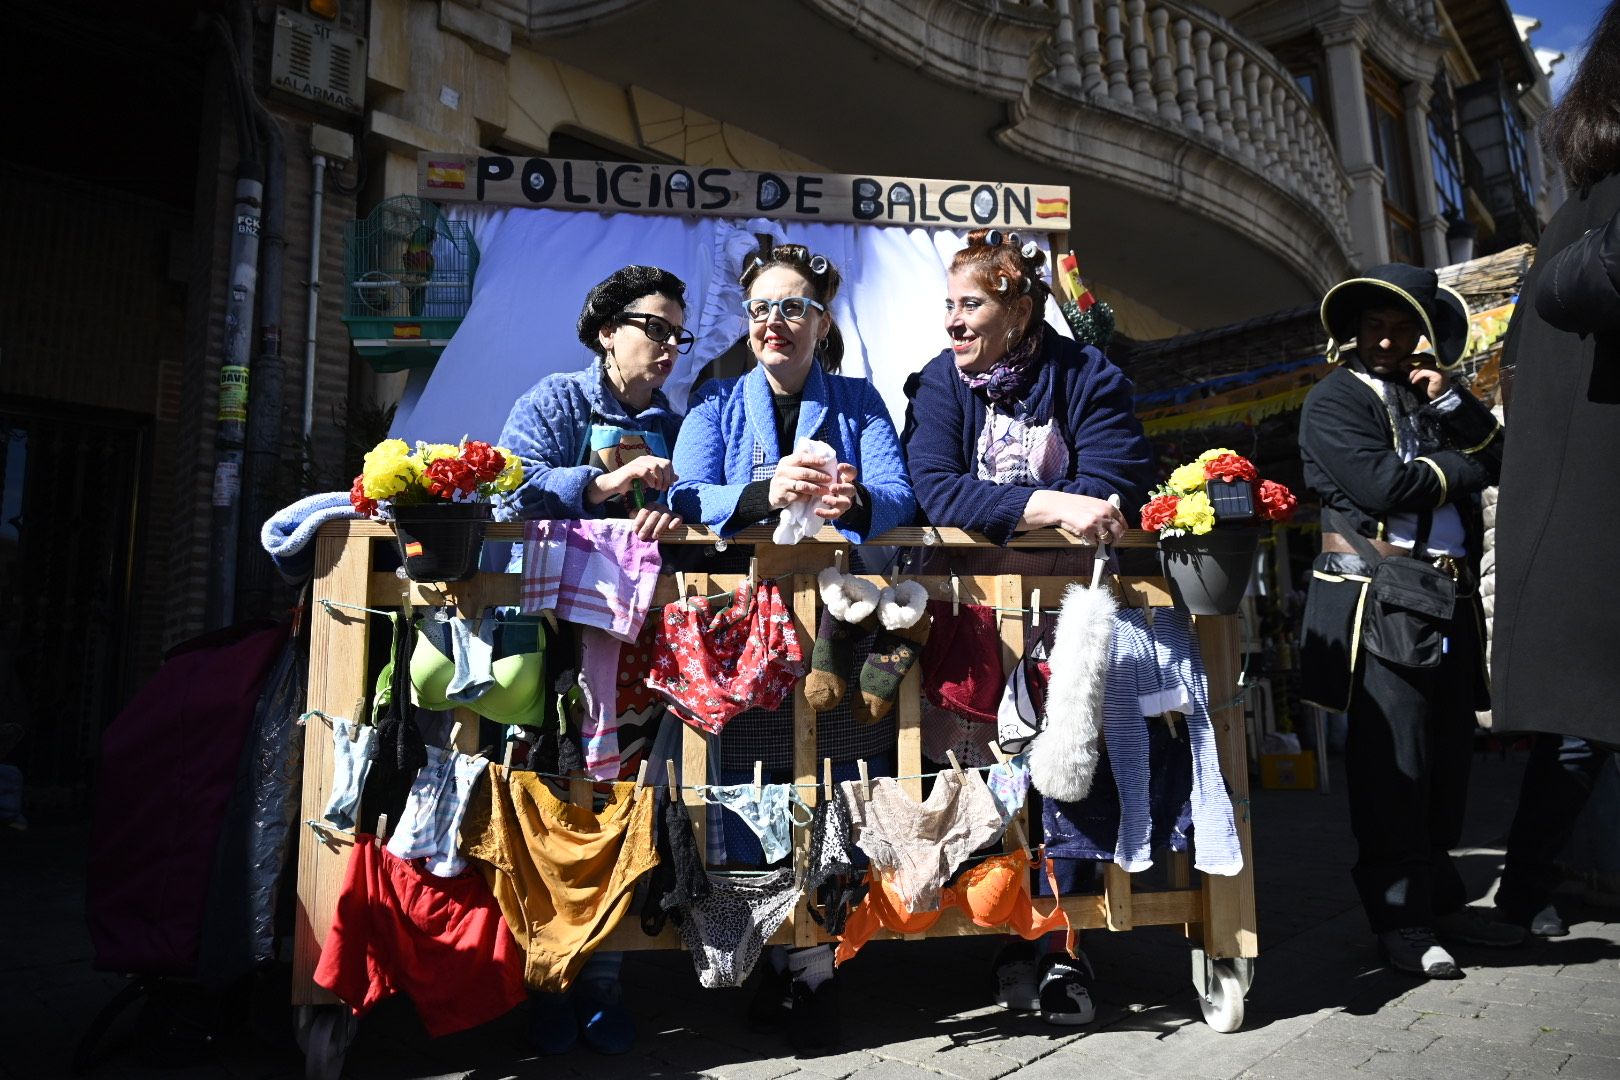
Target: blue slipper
553,1028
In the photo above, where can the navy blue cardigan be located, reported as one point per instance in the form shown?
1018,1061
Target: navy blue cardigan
1092,398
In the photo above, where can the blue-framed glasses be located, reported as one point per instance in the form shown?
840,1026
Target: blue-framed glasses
793,308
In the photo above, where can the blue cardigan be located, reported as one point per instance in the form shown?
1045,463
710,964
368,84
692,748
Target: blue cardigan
715,455
546,430
1092,398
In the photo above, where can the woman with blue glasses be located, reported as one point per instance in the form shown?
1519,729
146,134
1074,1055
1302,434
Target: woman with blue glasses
736,458
738,467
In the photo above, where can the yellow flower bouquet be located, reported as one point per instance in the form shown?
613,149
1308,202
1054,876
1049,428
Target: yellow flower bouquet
437,497
396,474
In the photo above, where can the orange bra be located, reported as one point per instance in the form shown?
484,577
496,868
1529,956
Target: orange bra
993,893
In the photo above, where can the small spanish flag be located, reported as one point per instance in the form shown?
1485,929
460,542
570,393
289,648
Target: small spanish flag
447,174
413,548
408,330
1051,208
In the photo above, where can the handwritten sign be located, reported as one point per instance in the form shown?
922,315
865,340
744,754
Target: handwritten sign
645,188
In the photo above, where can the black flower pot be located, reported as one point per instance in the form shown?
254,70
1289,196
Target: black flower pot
441,541
1209,574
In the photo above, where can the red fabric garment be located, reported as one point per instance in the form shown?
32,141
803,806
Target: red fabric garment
441,941
713,665
961,663
171,759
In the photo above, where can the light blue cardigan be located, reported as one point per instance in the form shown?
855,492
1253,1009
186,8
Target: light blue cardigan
715,455
546,430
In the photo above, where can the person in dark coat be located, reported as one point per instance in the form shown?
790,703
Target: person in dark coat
1398,454
1552,663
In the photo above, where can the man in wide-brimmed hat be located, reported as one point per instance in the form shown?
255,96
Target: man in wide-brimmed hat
1398,452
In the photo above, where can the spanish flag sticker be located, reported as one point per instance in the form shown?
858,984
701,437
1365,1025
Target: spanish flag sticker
1050,208
447,174
413,548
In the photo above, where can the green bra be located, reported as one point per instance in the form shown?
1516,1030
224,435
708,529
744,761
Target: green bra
518,696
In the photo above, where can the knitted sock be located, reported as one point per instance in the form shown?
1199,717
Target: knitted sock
849,601
811,966
896,648
830,662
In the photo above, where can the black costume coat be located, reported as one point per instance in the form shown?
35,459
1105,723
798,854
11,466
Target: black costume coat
1553,663
1348,445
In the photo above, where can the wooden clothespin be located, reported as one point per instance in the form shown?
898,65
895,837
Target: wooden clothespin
838,559
551,619
753,572
641,775
826,776
669,778
382,828
455,733
1034,607
680,585
956,766
866,780
956,594
759,781
997,752
354,719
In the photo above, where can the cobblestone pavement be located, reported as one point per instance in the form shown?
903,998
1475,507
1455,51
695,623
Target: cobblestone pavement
1321,1006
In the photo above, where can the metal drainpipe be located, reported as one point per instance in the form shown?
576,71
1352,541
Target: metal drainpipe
231,419
317,195
230,429
267,404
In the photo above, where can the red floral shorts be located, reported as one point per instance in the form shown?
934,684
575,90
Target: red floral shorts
713,665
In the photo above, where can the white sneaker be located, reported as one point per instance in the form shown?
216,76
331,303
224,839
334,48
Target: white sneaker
1416,951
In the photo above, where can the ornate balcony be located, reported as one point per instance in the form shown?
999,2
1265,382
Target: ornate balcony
1204,184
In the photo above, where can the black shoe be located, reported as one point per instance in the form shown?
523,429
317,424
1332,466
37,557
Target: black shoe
1065,990
814,1027
1017,976
772,1002
1414,950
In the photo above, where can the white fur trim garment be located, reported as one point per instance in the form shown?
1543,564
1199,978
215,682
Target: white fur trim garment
1063,757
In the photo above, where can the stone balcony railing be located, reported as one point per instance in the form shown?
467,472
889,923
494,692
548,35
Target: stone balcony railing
1179,65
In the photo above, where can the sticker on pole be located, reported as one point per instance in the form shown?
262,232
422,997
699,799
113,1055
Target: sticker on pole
227,483
233,393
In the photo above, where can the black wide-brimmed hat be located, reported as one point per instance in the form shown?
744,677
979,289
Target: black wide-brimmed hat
1439,309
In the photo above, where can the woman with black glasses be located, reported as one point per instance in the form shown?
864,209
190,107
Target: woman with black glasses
596,442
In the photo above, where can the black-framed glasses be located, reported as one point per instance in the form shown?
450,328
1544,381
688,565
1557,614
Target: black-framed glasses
658,329
793,308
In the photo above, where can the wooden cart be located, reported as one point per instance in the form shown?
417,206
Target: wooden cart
1217,913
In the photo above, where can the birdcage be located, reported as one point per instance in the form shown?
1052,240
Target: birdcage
409,276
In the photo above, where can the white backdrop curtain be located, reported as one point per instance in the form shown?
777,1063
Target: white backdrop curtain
537,265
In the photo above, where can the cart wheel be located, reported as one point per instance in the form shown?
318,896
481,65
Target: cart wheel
325,1033
1222,1000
